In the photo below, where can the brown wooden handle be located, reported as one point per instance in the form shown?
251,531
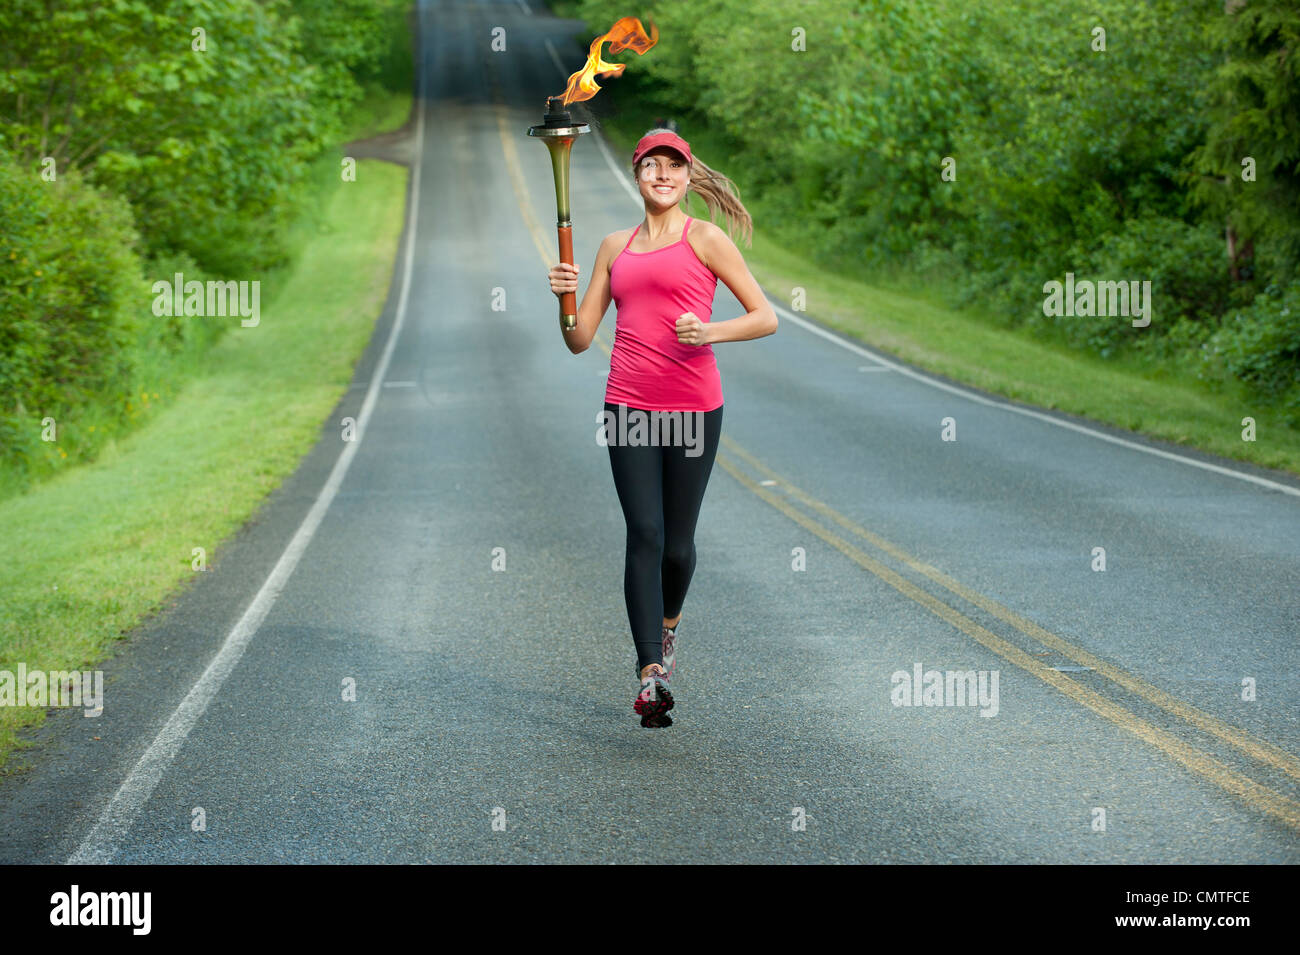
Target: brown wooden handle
569,300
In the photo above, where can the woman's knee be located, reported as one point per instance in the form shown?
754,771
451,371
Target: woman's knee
679,555
645,537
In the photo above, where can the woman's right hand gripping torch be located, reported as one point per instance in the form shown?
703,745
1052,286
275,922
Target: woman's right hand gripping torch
564,283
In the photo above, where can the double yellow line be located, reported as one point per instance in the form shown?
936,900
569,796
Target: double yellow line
779,496
1261,797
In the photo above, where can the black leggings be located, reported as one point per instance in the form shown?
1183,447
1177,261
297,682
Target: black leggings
660,487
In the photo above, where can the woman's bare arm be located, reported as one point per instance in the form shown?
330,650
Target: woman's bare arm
726,262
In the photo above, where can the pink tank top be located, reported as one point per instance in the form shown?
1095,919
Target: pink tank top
648,367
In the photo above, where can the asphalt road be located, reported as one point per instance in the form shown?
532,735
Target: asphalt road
505,696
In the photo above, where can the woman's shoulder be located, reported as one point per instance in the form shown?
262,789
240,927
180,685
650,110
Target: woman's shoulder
612,245
616,241
703,229
704,237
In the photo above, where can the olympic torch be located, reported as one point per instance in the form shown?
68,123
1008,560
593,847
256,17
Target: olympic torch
558,131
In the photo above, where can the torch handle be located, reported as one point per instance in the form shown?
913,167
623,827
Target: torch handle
569,300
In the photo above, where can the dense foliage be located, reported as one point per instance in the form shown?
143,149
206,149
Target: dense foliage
139,138
70,288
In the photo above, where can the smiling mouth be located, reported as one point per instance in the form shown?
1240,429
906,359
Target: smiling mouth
665,188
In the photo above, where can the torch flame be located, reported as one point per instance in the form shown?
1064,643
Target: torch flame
627,33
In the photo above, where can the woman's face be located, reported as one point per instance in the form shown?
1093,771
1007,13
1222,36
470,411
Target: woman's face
662,176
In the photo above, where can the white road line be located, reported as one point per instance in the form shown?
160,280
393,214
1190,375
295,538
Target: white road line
624,179
1030,412
116,819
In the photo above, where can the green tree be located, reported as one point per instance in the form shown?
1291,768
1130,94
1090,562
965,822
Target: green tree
199,112
1254,116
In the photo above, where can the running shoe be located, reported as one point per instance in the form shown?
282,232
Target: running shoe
670,649
654,700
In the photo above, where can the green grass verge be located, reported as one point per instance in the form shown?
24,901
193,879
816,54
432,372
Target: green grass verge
93,551
1158,399
386,96
379,110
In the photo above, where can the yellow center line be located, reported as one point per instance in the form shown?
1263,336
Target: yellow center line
1194,759
1253,746
1275,804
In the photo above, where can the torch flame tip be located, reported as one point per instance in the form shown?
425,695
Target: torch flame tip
627,33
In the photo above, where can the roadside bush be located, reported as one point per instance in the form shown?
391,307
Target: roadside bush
1184,263
1260,345
70,291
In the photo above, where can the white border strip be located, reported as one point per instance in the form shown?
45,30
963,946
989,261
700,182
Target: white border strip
786,314
101,844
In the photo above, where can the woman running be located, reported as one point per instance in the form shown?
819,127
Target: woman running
662,275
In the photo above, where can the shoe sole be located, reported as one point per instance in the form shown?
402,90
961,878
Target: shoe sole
658,707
